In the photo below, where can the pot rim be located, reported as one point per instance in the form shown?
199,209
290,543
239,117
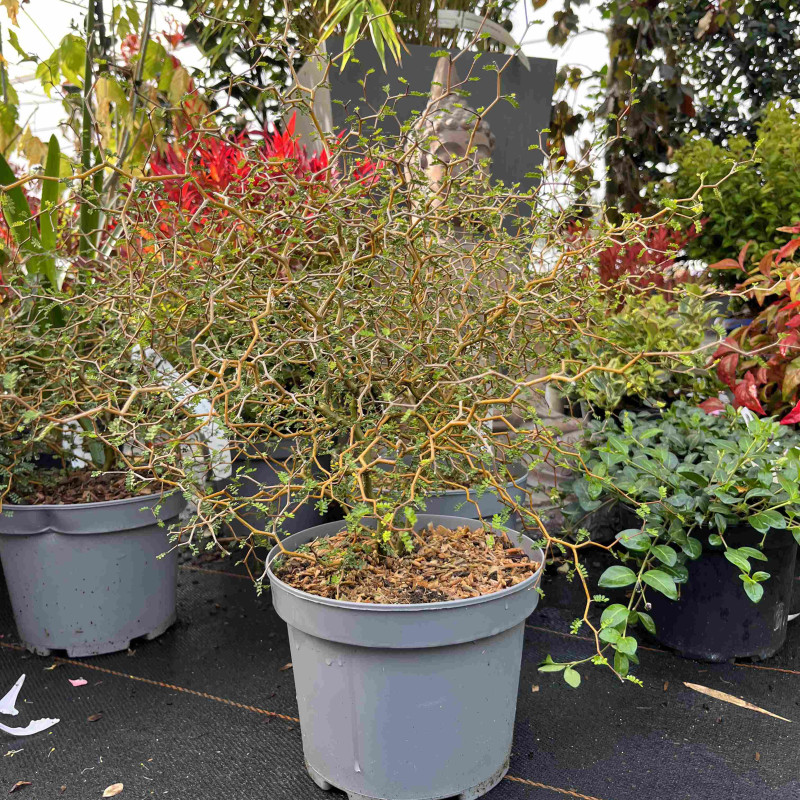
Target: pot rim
94,504
528,583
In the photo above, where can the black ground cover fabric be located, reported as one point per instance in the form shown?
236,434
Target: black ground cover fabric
207,711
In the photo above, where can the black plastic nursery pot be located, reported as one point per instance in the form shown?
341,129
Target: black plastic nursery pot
794,608
407,702
88,578
713,618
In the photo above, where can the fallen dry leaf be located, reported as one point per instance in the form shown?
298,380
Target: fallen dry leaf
729,698
113,790
78,681
285,666
52,666
666,685
534,688
758,756
19,785
94,717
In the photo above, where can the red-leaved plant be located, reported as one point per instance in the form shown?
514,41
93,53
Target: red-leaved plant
250,169
650,263
760,362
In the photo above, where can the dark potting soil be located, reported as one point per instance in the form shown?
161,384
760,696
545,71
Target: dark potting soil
80,486
444,565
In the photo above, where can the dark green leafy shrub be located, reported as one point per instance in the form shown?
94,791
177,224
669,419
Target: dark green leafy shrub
689,475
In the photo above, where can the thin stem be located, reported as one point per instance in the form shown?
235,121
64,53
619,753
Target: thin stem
85,244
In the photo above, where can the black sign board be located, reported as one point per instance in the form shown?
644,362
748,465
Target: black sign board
515,128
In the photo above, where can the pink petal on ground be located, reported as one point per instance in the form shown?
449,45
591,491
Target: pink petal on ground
78,682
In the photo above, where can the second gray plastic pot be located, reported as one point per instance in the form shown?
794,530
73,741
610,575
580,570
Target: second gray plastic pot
87,578
456,503
406,702
255,470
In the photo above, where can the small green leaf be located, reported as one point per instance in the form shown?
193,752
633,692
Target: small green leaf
614,615
551,668
738,560
765,520
665,554
572,677
751,552
661,582
755,591
610,635
647,622
621,663
715,540
634,539
695,477
616,577
627,645
693,548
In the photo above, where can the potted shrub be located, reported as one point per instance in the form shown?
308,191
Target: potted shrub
84,514
409,314
710,560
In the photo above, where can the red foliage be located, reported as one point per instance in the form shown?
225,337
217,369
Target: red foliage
760,362
249,170
649,264
712,406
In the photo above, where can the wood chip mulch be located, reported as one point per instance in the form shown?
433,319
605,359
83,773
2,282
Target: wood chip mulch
445,565
80,487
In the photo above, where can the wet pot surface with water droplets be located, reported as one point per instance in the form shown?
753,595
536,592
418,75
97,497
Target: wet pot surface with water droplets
407,702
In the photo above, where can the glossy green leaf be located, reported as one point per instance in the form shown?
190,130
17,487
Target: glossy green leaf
647,622
634,539
614,615
617,577
665,554
609,635
693,548
621,663
661,582
755,591
765,520
627,645
738,560
752,552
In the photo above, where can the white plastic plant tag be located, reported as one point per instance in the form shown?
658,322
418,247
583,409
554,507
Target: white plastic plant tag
36,726
8,703
211,433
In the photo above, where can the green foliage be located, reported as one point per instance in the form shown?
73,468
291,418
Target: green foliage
690,476
756,200
37,244
672,331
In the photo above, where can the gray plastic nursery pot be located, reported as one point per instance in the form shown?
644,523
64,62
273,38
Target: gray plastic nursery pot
86,578
406,702
255,469
455,503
